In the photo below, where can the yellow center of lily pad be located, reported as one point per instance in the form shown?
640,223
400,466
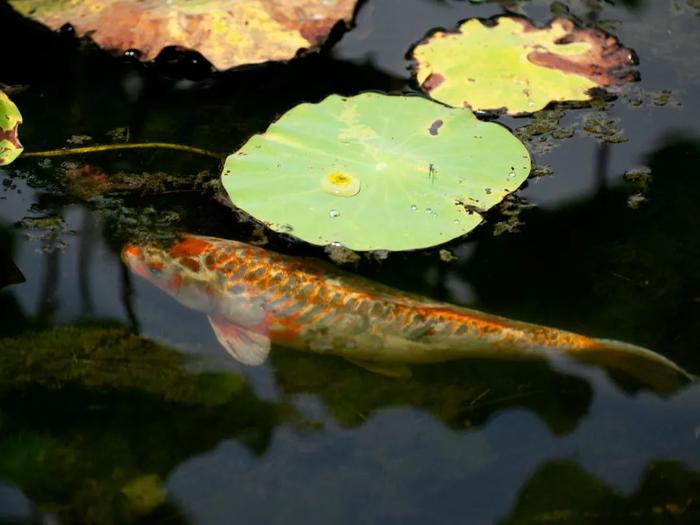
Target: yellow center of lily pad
340,184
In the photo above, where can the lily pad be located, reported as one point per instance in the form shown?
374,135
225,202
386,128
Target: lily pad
375,172
515,65
10,119
227,33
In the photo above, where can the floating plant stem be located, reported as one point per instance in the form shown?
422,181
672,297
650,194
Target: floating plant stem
61,152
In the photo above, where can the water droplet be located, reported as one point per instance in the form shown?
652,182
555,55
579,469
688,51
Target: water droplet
334,213
336,244
286,228
511,174
456,221
530,103
414,207
429,210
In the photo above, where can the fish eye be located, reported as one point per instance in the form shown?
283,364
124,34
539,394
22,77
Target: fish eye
155,267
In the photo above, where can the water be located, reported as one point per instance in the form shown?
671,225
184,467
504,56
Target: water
98,426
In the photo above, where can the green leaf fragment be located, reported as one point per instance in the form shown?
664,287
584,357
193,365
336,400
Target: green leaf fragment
10,119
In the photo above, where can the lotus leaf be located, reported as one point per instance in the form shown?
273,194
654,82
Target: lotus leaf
375,172
10,119
515,65
228,34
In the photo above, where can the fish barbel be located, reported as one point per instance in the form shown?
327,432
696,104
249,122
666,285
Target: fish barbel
254,296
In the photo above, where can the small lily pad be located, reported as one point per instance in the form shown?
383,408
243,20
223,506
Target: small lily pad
515,65
375,172
10,119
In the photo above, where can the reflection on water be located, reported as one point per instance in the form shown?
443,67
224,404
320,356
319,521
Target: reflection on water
562,492
89,411
99,423
643,260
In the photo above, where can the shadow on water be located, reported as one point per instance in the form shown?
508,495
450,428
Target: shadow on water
9,273
157,100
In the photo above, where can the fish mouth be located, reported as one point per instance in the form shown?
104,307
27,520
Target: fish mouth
149,266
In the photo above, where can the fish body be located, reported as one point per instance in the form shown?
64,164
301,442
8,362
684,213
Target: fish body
254,296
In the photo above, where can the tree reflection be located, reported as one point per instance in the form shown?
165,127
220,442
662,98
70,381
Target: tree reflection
631,274
461,395
561,492
86,412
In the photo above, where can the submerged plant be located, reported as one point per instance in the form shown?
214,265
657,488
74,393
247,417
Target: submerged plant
10,119
516,66
375,172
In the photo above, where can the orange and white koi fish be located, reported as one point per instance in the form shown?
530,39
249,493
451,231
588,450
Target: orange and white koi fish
253,297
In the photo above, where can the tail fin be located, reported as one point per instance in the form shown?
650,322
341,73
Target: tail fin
643,366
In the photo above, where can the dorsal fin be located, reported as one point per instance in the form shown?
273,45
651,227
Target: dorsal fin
245,345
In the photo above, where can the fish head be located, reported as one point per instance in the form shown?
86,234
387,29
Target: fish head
190,273
177,271
143,262
153,264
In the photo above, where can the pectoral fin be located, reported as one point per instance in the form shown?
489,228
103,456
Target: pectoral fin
245,345
396,370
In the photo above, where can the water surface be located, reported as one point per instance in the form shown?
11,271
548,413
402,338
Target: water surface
117,404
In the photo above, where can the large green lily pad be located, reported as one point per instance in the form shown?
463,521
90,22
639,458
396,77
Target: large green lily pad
375,172
228,33
10,119
515,65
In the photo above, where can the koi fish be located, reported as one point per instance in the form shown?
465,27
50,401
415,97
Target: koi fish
253,297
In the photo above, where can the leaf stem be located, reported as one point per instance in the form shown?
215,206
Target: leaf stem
116,147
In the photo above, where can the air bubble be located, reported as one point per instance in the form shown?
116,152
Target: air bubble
334,213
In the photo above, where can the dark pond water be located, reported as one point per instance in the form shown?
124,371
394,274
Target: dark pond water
117,405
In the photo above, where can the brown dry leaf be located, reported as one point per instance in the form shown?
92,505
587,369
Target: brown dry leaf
227,33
